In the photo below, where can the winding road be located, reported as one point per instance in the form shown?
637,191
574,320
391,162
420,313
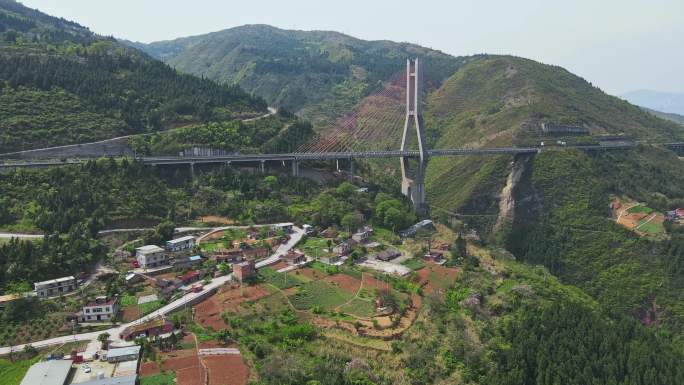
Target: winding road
187,299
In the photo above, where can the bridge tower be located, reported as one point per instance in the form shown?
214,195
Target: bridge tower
413,178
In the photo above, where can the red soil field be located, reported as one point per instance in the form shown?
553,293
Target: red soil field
311,273
344,282
226,370
188,370
208,313
442,276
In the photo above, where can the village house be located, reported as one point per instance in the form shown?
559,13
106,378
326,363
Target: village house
190,277
227,256
245,270
55,286
329,233
388,255
148,329
133,278
436,256
425,224
101,309
128,353
186,262
180,244
294,257
343,248
286,227
150,256
363,235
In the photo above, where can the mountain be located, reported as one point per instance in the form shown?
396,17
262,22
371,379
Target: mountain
60,83
655,100
667,116
318,74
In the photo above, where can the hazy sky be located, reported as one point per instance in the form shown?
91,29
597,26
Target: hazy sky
619,45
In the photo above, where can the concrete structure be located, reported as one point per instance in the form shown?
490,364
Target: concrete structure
102,309
148,329
128,353
413,181
286,227
54,372
150,256
425,224
363,235
180,244
55,286
123,380
185,262
294,257
343,248
388,255
244,270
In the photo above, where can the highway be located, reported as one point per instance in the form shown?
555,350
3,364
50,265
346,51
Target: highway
303,156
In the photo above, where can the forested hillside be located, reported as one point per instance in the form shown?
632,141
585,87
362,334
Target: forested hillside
318,74
61,84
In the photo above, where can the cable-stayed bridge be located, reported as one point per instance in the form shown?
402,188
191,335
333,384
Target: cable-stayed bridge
373,129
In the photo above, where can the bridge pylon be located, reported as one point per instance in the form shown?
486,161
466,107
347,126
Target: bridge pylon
413,178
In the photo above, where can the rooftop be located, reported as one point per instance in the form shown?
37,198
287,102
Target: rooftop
100,301
125,351
149,249
56,280
180,240
196,258
53,372
124,380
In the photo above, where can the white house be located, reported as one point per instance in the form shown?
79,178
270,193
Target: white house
55,286
102,309
150,256
180,244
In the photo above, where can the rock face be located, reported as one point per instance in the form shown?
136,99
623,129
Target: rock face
507,200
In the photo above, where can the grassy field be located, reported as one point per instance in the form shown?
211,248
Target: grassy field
168,378
360,308
321,294
316,247
640,209
150,307
128,300
279,280
414,264
652,228
12,373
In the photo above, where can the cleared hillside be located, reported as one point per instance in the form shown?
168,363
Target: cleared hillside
62,84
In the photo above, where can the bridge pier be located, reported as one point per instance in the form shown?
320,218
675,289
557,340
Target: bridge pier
351,170
192,170
263,166
413,180
295,167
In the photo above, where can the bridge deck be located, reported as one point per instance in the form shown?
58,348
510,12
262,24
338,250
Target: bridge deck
338,155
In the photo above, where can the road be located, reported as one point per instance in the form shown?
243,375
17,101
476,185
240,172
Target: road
20,236
189,298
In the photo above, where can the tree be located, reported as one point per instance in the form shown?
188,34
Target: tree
104,339
352,221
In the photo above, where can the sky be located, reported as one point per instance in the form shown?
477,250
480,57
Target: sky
618,45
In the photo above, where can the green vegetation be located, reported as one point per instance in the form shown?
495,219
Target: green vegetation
640,209
414,263
279,133
60,84
279,280
320,75
566,228
359,308
168,378
319,294
13,372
